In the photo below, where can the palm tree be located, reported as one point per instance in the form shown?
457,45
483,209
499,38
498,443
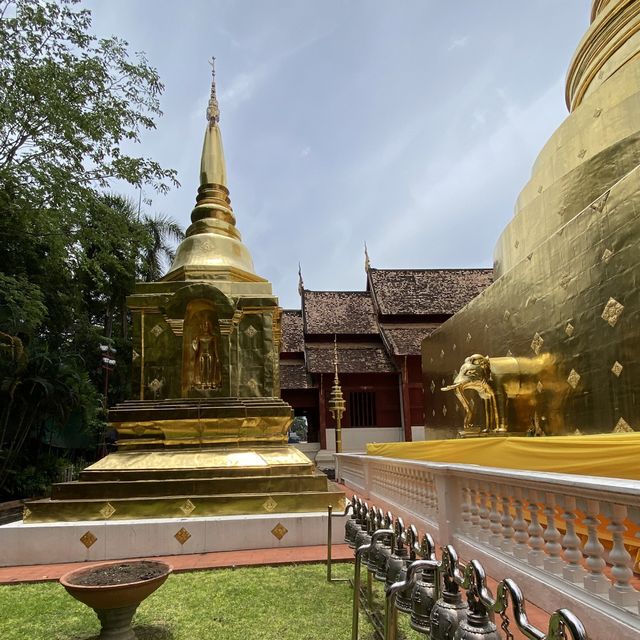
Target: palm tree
163,231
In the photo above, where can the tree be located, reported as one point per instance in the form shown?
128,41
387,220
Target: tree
67,103
71,109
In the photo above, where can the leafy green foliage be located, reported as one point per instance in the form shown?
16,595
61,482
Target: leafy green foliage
71,108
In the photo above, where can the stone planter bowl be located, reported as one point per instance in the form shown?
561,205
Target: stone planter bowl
115,605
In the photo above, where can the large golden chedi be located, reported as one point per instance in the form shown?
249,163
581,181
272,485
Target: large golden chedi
207,431
553,346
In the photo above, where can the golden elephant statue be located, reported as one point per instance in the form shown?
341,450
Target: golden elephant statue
519,394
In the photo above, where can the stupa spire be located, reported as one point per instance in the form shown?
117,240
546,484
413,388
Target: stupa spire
213,241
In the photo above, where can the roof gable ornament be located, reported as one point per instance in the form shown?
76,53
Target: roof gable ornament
367,263
300,280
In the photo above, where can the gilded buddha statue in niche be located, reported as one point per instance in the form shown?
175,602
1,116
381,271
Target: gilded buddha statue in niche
206,364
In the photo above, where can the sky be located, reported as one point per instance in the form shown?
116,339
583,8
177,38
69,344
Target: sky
411,126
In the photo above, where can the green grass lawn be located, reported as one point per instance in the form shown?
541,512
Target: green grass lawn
257,603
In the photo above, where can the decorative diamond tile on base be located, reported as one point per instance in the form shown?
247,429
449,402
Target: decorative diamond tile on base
88,539
269,504
107,511
182,536
279,531
187,507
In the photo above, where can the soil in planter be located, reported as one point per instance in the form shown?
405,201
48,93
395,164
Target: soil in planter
123,573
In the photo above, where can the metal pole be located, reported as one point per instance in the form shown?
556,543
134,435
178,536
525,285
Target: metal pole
330,515
356,578
329,536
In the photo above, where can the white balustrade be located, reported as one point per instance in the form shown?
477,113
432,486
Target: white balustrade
567,537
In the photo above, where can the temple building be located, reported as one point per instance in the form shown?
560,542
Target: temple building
379,332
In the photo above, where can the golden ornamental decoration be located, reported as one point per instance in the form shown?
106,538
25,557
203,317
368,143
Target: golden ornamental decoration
573,378
468,338
606,256
182,536
279,531
26,512
107,511
622,426
507,314
539,387
444,410
269,504
157,330
536,343
187,507
88,539
569,329
432,387
616,369
612,311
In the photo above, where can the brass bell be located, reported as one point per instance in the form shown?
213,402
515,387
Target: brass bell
363,521
399,555
384,552
351,525
372,556
427,589
366,535
450,610
403,601
359,508
478,624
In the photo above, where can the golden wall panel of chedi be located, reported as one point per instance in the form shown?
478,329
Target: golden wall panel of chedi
206,432
553,345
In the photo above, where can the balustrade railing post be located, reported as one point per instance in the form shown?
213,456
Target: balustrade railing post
553,561
535,557
595,580
485,523
495,539
447,493
366,476
621,592
573,569
475,511
465,508
520,526
507,524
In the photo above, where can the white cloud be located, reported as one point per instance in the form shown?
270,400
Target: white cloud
458,43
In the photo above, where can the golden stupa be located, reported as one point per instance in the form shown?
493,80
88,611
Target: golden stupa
553,346
207,433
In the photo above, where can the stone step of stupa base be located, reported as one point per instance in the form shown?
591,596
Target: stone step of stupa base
182,506
108,489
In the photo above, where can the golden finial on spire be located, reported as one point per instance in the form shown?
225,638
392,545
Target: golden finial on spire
213,110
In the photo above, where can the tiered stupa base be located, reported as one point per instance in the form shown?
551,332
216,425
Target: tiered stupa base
193,458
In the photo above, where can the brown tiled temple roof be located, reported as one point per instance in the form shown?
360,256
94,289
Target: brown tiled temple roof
407,340
293,375
340,312
351,359
292,336
426,291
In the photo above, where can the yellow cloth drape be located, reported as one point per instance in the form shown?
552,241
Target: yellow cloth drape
614,455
